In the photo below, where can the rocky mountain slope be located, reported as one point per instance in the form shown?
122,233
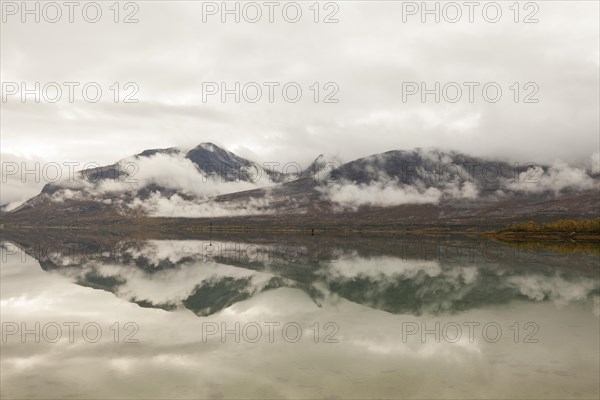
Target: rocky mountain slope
419,187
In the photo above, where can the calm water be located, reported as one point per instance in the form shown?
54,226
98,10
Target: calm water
349,317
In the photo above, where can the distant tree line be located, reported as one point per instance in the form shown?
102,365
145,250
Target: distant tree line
563,225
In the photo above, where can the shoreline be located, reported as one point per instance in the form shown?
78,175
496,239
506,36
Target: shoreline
170,228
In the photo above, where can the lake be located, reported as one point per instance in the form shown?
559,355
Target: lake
280,316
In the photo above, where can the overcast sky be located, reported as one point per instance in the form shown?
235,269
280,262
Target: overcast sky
368,54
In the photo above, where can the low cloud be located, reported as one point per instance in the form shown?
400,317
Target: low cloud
393,193
556,178
177,188
174,172
176,206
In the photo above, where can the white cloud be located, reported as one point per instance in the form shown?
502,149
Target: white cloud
175,206
391,193
558,177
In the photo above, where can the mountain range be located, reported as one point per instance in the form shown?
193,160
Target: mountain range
390,190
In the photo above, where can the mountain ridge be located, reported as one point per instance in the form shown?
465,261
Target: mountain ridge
208,181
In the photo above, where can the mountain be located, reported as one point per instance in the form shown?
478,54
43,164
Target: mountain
321,168
215,161
395,188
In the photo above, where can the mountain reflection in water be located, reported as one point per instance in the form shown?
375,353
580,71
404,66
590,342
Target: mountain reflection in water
363,292
407,275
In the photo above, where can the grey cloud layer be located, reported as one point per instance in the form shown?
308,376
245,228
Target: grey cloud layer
368,54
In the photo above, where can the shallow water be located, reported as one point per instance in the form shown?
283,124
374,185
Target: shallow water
308,318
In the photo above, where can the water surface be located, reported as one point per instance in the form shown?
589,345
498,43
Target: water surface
308,317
